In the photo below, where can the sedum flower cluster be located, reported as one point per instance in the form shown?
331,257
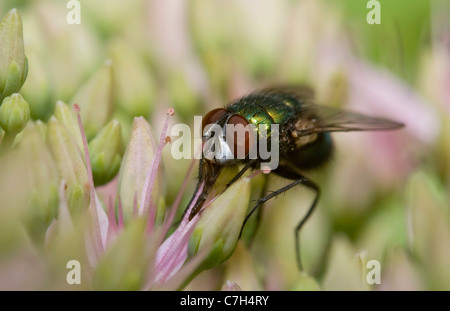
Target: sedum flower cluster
87,175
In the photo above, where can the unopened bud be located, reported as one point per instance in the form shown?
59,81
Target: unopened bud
70,163
220,224
14,114
13,63
96,100
105,153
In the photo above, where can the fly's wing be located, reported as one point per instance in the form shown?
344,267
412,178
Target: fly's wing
318,119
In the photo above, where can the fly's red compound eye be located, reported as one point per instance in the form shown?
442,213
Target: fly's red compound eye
239,136
212,117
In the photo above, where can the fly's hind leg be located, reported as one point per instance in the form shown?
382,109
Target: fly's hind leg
298,179
288,173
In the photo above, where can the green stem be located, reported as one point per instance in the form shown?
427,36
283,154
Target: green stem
7,142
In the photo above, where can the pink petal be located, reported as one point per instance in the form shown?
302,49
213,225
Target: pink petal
147,192
173,252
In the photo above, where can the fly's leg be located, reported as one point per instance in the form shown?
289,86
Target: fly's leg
298,179
241,172
252,229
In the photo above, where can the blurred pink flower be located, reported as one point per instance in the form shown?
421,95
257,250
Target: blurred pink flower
377,91
103,227
383,158
370,162
390,156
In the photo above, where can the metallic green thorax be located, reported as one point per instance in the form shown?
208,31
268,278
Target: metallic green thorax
268,110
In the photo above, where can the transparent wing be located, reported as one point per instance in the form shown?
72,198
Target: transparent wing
326,119
318,119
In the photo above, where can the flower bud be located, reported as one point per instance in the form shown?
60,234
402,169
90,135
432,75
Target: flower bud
105,153
123,266
95,98
41,182
346,268
135,87
13,63
241,269
68,52
182,94
38,88
220,224
136,163
14,114
430,227
305,283
68,118
109,20
70,163
42,127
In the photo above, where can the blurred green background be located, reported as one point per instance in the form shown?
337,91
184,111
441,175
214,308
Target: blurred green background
385,196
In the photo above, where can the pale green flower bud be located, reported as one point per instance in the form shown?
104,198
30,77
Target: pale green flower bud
134,85
220,224
70,162
14,114
305,283
42,127
109,20
95,98
69,52
241,269
135,166
68,117
28,188
125,123
347,269
124,264
105,151
430,228
38,88
13,63
182,94
41,182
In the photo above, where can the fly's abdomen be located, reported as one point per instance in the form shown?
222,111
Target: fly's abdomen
313,154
